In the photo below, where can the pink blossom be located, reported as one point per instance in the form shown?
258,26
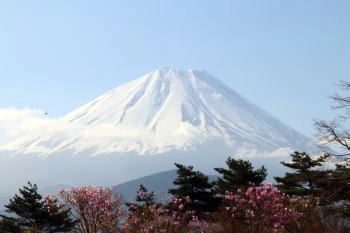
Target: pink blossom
97,208
262,205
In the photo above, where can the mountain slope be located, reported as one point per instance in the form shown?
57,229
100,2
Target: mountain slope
162,111
144,127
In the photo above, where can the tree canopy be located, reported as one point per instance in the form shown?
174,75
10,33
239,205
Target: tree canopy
239,174
33,212
194,185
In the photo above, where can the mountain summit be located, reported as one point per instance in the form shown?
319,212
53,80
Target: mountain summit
167,110
144,127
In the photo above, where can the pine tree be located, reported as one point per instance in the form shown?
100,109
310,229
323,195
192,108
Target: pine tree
240,174
335,187
337,133
9,225
306,178
196,186
143,198
32,213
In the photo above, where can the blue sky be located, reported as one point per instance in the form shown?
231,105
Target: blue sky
284,56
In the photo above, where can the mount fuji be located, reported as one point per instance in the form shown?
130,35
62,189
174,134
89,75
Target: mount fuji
146,125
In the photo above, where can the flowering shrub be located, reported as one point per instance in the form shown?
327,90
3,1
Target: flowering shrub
253,210
157,218
51,203
97,209
143,195
262,208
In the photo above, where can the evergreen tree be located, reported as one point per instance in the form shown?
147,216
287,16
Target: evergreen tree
32,212
196,186
9,225
240,174
335,187
306,178
331,187
143,198
336,132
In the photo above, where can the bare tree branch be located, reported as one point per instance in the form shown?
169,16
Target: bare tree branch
342,102
334,132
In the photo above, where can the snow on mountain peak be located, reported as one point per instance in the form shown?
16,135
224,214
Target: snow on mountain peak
168,109
144,126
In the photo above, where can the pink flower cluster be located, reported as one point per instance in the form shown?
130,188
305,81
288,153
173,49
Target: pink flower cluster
96,208
52,204
265,206
160,219
142,195
254,209
99,211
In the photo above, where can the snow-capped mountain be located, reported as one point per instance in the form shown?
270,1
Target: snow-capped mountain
166,110
143,127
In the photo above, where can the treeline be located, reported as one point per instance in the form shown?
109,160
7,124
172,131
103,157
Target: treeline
307,199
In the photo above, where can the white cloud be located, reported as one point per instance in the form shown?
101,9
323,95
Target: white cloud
20,126
15,123
31,131
254,153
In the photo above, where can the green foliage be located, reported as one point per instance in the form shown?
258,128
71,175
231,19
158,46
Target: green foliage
306,179
240,174
334,191
195,186
31,212
8,224
340,183
302,162
143,198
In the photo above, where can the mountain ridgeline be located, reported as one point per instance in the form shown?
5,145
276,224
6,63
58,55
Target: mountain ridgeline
144,127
